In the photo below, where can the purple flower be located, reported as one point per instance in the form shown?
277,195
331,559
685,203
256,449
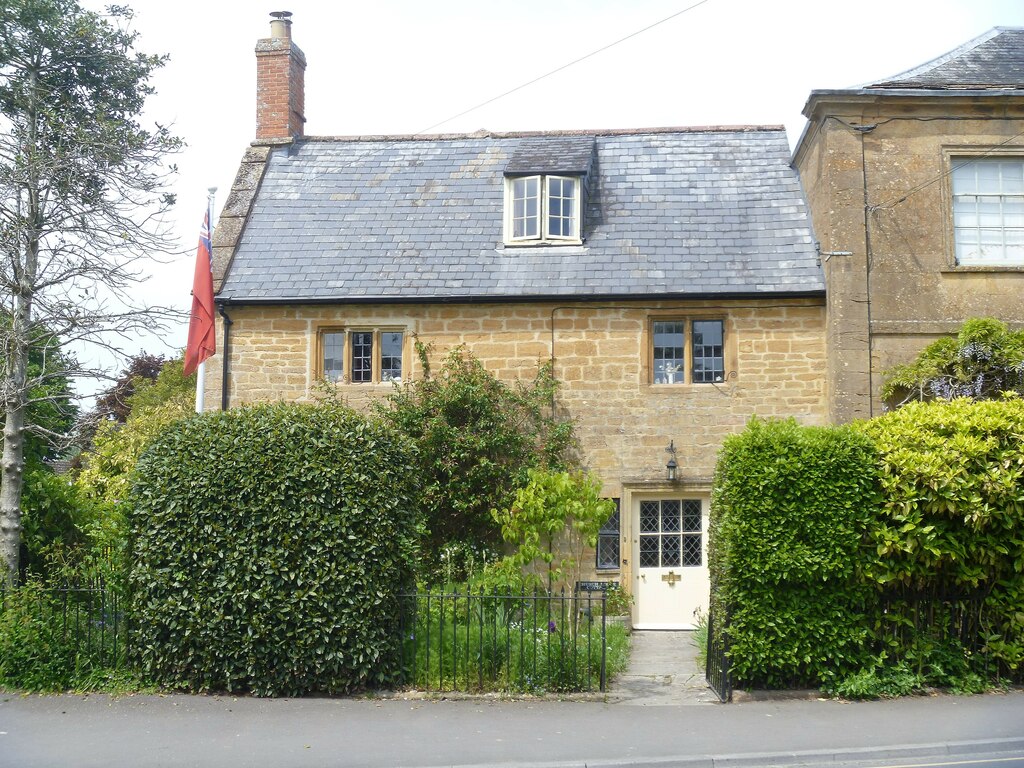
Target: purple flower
551,626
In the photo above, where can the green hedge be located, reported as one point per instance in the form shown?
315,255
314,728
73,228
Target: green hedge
953,518
850,556
270,544
788,510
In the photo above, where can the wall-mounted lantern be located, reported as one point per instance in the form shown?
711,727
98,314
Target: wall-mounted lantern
672,465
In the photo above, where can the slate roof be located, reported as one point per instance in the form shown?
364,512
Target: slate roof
552,154
669,212
992,60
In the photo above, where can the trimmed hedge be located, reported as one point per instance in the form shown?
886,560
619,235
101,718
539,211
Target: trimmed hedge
270,544
788,510
849,556
953,518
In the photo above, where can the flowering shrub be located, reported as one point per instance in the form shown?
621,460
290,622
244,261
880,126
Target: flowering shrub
983,361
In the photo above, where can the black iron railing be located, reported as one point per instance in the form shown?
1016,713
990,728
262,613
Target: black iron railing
915,621
85,623
717,670
530,642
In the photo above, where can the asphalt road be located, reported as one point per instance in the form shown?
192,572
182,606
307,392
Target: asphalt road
224,731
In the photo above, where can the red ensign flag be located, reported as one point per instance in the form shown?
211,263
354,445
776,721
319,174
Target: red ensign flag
201,338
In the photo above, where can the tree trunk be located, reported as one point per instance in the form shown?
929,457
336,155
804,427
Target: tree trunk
12,465
10,491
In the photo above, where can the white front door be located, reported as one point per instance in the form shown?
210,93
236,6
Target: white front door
670,552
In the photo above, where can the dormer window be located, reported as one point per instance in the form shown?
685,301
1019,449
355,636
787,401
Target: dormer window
546,189
542,208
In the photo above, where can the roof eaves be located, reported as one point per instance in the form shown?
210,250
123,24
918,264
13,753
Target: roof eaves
866,94
813,293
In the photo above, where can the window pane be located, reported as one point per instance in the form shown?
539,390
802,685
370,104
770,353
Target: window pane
670,551
334,355
362,356
561,215
987,207
988,177
990,212
1013,212
608,541
964,215
966,253
967,236
668,352
649,551
525,207
964,177
649,512
991,237
670,516
708,351
1013,178
692,550
691,516
608,551
611,525
391,356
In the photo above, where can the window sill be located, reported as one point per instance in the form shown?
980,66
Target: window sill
683,386
962,269
540,244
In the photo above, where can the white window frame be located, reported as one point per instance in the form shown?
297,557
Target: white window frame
544,210
982,214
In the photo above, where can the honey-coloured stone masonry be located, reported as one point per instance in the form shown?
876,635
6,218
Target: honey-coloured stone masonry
774,361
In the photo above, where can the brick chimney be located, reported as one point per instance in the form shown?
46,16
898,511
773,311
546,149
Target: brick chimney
280,76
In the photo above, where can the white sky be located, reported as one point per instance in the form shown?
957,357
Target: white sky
400,66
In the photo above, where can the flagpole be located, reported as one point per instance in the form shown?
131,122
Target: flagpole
201,370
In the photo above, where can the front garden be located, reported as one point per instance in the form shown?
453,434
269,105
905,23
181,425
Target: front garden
288,549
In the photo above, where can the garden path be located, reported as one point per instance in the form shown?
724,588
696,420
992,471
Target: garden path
663,670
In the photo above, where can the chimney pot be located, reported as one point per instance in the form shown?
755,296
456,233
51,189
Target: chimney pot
281,26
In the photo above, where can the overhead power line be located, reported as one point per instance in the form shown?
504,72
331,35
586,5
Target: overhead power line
556,70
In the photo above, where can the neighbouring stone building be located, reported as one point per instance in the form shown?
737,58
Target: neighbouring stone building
671,277
916,185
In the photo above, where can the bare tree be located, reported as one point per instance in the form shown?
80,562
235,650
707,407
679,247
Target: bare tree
81,180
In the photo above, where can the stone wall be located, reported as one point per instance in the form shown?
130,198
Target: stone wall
774,359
